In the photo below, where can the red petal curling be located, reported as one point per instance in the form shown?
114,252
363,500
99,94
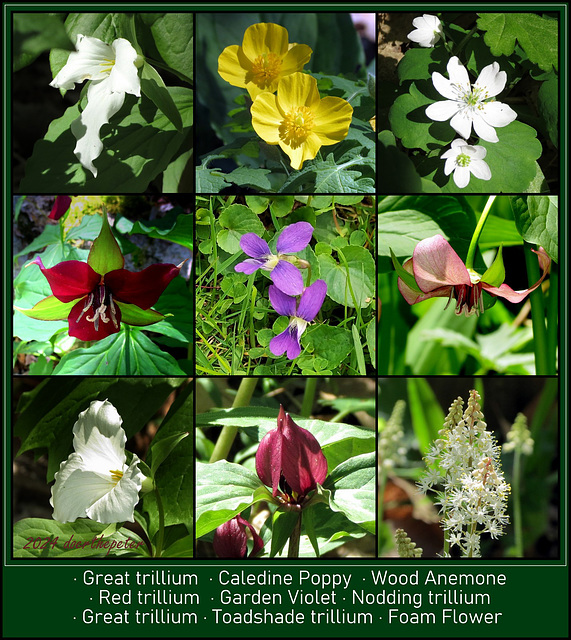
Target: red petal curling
70,280
143,288
61,205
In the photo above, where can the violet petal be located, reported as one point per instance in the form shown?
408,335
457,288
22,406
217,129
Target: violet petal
295,237
250,265
254,246
287,341
287,278
311,300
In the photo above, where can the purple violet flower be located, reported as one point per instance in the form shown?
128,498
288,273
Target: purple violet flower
300,315
286,277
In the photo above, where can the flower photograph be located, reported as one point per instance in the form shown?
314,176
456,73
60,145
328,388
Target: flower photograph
103,467
279,109
102,285
285,467
102,103
468,103
468,285
468,468
285,285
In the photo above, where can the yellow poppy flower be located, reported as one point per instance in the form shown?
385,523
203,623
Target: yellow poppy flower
264,58
299,120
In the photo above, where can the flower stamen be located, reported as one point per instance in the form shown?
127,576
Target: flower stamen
266,68
296,126
116,475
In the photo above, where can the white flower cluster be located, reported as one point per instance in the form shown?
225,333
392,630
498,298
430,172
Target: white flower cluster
519,437
465,461
391,451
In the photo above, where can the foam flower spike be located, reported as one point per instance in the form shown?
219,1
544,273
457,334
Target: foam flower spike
289,459
436,270
300,313
95,481
468,105
97,295
231,541
295,237
298,120
113,72
427,30
265,57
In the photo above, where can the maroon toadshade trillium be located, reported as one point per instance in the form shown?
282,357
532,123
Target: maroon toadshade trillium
436,270
289,459
231,541
97,295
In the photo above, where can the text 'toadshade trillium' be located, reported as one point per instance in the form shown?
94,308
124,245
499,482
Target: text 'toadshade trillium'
470,105
427,30
300,314
112,70
290,461
97,295
463,159
298,120
230,539
95,481
439,272
265,57
295,237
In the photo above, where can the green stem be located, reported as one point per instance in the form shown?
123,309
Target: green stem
308,397
542,364
464,41
228,433
517,504
293,547
477,232
161,530
553,317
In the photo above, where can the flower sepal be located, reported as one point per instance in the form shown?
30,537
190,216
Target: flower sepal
404,274
105,254
49,308
496,273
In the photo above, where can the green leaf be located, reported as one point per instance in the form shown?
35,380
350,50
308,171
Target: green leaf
536,218
399,173
548,106
537,36
352,281
332,343
154,88
496,274
34,33
129,352
65,536
283,524
236,220
426,413
164,448
175,226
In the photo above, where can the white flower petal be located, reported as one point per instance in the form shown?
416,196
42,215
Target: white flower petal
458,74
442,110
87,63
102,105
462,123
445,87
124,76
461,177
427,32
498,114
484,130
480,169
491,80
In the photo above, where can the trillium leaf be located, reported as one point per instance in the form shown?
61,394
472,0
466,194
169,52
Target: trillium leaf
154,88
175,226
536,219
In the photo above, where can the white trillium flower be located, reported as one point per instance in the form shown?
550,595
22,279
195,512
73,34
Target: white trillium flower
427,32
95,482
113,72
467,104
463,159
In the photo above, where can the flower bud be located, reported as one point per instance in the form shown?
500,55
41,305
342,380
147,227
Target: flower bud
231,541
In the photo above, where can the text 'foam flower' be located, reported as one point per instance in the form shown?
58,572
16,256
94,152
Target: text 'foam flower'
95,481
463,159
265,57
230,539
438,271
298,120
112,70
295,237
427,32
470,105
95,297
289,459
300,314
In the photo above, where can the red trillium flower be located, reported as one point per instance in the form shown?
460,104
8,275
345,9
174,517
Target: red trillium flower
61,205
98,295
289,459
231,541
436,270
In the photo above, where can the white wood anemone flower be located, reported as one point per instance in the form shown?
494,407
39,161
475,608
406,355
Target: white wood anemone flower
464,159
95,481
427,32
113,72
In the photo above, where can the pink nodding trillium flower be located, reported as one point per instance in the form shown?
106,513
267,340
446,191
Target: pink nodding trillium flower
286,277
289,459
300,313
230,540
61,205
436,270
97,295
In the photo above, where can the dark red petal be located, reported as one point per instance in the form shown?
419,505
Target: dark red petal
61,205
230,540
142,288
70,280
268,459
84,330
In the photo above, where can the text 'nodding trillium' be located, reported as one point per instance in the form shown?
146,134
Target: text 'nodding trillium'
290,461
95,481
295,237
436,270
230,539
112,71
470,105
95,297
300,314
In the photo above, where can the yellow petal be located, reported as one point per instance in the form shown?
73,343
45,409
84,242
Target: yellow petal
265,38
294,60
305,151
266,117
332,119
231,66
296,90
